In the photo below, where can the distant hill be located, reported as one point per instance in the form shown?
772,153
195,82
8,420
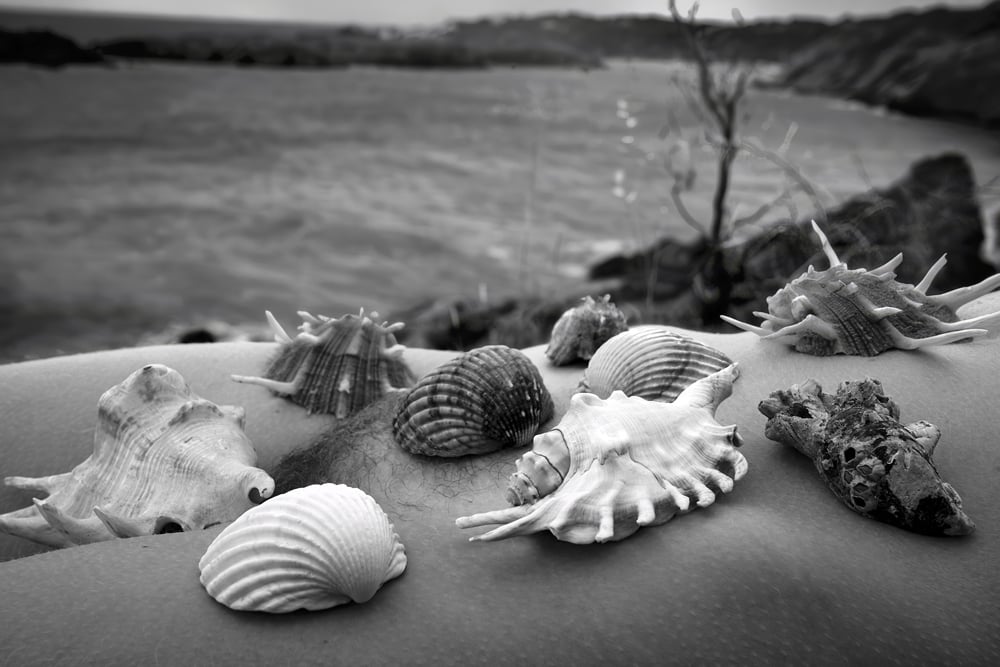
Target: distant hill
939,62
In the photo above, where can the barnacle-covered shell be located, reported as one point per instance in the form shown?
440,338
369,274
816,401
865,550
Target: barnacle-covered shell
335,365
581,330
312,548
865,312
650,362
878,467
487,399
612,466
164,460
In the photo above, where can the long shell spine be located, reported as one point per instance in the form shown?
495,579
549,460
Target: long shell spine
580,331
650,362
336,365
311,548
611,466
164,460
487,399
865,312
875,465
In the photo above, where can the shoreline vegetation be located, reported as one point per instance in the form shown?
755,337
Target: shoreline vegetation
940,62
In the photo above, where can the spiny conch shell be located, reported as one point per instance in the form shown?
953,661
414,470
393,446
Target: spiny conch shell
865,312
164,460
612,466
581,330
875,465
487,399
652,363
335,365
312,548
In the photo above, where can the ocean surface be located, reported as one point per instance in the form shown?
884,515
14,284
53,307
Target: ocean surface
135,198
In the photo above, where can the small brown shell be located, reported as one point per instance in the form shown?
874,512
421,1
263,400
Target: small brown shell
580,331
652,363
484,400
335,365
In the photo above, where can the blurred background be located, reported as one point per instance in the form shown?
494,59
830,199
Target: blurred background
172,173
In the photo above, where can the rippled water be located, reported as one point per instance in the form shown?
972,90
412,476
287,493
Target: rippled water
142,196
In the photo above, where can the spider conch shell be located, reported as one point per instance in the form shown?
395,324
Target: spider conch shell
865,312
878,467
612,466
335,365
580,331
487,399
650,362
164,460
312,548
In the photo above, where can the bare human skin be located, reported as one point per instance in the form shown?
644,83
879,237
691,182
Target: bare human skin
778,571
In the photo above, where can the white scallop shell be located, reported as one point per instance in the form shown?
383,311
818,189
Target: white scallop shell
311,548
652,363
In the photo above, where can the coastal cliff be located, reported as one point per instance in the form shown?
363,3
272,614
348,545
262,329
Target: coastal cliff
941,62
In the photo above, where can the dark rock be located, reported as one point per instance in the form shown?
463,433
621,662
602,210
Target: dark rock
42,47
941,62
932,210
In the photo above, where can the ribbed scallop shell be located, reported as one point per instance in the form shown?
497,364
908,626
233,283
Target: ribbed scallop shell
580,331
487,399
335,365
311,548
164,460
866,312
612,466
650,362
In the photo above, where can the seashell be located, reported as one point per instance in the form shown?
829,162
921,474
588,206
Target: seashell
581,330
875,465
312,548
487,399
612,466
652,363
865,312
165,460
335,365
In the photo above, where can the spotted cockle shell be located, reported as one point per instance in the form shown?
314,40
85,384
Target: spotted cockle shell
164,460
865,312
312,548
875,465
612,466
336,365
580,331
487,399
650,362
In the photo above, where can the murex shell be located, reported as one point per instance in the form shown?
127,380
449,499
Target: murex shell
312,548
865,312
487,399
335,365
612,466
650,362
580,331
164,460
875,465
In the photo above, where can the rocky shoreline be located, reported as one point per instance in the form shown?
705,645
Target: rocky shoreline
941,62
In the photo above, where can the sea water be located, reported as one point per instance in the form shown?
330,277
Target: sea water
136,197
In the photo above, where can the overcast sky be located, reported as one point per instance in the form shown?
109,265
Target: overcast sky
409,12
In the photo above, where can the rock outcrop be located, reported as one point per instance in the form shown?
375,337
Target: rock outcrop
42,47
